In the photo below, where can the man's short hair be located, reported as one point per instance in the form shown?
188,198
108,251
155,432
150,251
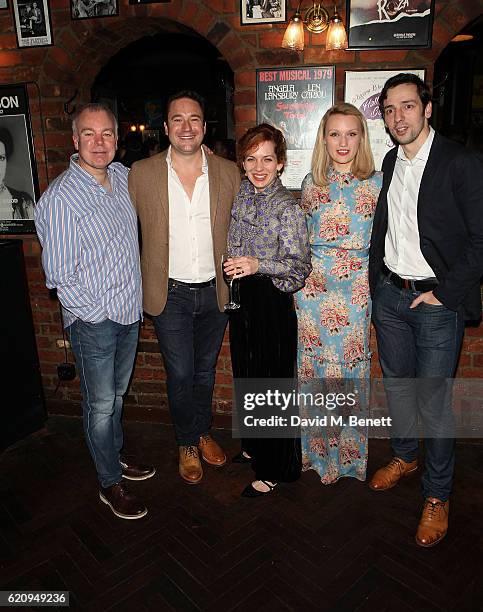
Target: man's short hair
404,78
186,93
94,107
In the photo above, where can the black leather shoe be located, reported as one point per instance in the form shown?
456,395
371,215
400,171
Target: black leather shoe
250,491
240,458
134,471
121,502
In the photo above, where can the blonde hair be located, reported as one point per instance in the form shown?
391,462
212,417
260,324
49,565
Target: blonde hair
363,163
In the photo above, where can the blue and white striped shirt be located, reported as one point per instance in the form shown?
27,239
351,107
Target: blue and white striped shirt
90,246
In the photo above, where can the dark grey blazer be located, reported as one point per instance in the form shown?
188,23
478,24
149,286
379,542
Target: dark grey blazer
450,222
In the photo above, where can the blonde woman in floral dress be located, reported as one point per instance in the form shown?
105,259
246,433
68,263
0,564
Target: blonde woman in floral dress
339,197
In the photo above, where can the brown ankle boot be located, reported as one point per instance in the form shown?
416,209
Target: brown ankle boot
433,525
190,468
389,475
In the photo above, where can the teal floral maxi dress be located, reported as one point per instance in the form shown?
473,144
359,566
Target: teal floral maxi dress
334,314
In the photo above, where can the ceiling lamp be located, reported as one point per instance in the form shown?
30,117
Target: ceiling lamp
316,21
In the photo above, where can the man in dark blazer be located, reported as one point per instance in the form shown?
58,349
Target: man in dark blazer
426,261
183,199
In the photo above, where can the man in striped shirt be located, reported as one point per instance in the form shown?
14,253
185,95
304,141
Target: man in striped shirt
88,230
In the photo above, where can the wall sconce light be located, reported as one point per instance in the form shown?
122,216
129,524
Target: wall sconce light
336,34
316,21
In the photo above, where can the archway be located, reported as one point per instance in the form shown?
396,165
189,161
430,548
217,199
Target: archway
84,48
458,87
137,81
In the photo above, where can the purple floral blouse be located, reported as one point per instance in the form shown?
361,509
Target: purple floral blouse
271,226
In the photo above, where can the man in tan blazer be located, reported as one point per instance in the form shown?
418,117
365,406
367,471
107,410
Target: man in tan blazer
183,199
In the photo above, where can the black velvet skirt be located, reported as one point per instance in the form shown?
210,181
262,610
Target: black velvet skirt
263,342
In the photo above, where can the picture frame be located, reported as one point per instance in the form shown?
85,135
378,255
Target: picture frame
3,5
134,2
255,12
93,9
33,24
294,100
389,24
19,185
362,89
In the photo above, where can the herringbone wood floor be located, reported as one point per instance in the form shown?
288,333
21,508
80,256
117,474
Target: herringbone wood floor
305,547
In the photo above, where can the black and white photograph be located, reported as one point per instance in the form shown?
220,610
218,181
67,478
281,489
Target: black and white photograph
254,12
3,5
32,23
18,171
91,9
390,24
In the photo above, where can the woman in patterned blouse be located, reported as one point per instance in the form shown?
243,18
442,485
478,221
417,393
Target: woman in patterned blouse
268,243
339,197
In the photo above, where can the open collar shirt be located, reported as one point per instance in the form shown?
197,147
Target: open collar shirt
90,246
190,240
402,250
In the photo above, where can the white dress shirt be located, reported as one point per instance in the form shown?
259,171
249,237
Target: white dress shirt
190,240
402,251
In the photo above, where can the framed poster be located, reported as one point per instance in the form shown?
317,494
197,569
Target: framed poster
32,23
149,1
253,12
294,101
19,188
91,9
390,24
362,89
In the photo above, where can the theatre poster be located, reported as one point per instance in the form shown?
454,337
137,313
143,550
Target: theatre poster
19,188
362,89
294,100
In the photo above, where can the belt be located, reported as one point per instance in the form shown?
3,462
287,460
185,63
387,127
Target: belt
427,284
210,283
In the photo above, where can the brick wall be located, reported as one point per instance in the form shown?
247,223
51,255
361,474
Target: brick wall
81,49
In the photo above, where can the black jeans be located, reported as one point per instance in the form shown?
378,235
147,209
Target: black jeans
418,351
190,331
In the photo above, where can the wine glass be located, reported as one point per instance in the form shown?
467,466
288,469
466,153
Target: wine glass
228,278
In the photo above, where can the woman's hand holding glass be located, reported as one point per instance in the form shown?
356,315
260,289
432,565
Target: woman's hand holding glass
241,266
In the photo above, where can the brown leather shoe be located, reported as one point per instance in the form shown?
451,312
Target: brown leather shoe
389,475
211,451
136,471
121,502
190,468
433,525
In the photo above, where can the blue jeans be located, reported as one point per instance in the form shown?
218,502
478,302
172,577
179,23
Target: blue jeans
190,331
421,344
104,354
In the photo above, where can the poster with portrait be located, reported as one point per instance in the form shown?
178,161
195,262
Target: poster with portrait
362,89
294,100
32,23
92,9
18,170
390,24
253,12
